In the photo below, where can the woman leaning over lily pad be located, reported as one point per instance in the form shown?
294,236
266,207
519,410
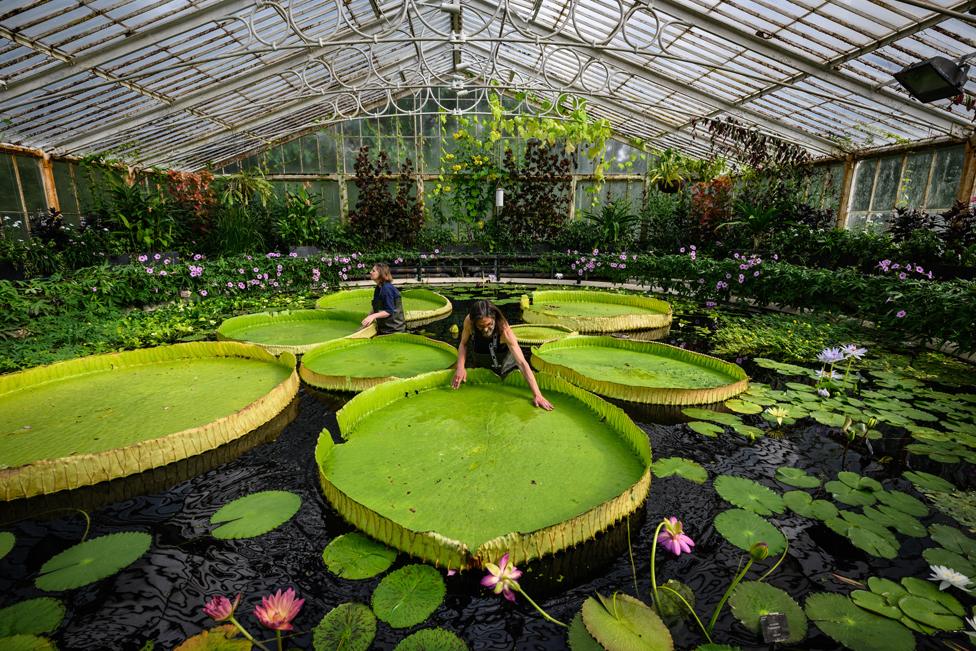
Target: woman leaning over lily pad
485,330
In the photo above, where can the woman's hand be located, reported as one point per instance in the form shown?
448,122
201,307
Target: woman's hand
460,376
542,402
369,319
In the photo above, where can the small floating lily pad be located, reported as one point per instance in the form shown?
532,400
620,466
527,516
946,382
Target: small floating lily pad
854,627
743,407
219,638
747,494
354,556
930,591
752,599
865,534
903,502
347,627
622,622
859,482
579,638
31,617
681,467
900,521
409,595
952,560
828,418
930,613
796,477
710,430
431,639
7,541
875,603
850,496
92,560
722,418
255,514
953,539
803,504
928,481
744,529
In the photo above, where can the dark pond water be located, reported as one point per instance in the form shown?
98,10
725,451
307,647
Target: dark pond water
159,598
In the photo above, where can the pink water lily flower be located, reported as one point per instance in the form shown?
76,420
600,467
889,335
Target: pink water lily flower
503,577
674,538
220,608
276,611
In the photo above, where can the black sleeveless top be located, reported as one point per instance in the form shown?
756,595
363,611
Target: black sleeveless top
490,352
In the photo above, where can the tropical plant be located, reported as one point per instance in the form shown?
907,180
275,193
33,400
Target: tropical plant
668,170
538,194
297,222
755,222
614,224
381,216
141,215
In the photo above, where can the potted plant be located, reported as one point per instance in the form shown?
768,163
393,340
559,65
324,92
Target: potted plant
668,171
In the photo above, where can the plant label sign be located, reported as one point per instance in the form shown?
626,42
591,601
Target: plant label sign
774,628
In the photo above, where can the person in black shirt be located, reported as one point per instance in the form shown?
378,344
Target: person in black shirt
485,330
387,305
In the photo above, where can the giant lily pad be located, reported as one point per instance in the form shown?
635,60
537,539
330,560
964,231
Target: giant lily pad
681,467
744,529
347,627
748,494
431,471
536,335
26,643
98,418
639,371
752,599
357,364
293,331
92,560
255,514
855,628
31,617
354,556
409,595
431,639
622,623
419,305
598,312
7,541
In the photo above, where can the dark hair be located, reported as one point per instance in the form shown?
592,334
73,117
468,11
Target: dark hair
383,270
484,308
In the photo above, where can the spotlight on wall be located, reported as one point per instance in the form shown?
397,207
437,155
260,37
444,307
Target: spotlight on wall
937,78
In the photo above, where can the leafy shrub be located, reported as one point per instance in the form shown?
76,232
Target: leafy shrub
379,215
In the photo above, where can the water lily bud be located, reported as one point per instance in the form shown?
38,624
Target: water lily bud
848,421
872,422
759,551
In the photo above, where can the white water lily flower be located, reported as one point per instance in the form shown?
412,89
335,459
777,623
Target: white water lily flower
972,622
949,577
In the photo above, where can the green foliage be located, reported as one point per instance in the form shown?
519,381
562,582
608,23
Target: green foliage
623,623
409,595
680,467
7,541
31,617
752,599
347,627
856,629
785,337
254,515
613,225
744,529
354,556
748,494
431,639
381,215
297,223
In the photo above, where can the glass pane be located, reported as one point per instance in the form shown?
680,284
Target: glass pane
886,190
275,160
327,152
292,156
310,155
863,184
835,185
31,184
329,202
945,179
352,195
914,179
9,196
67,199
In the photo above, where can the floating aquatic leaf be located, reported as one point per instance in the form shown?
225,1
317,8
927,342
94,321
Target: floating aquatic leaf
796,477
749,431
827,418
950,559
930,613
580,638
887,588
620,623
354,556
706,429
803,504
719,417
858,482
780,367
431,639
876,604
92,560
254,514
669,606
752,599
900,521
854,627
716,647
903,502
26,643
865,535
743,406
744,529
348,626
748,494
7,541
681,467
953,540
31,617
930,591
853,497
220,638
409,595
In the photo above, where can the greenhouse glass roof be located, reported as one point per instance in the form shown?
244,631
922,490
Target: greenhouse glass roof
186,83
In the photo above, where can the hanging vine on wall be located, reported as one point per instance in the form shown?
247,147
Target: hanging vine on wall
382,216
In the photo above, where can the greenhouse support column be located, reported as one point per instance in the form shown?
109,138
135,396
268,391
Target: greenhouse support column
572,198
50,189
343,200
845,192
965,193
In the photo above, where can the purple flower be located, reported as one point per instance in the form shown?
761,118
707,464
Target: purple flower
503,577
143,258
278,610
166,261
681,250
293,254
742,279
710,303
901,314
852,350
673,537
830,356
157,257
197,257
902,276
162,273
203,292
256,270
149,270
755,274
241,285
